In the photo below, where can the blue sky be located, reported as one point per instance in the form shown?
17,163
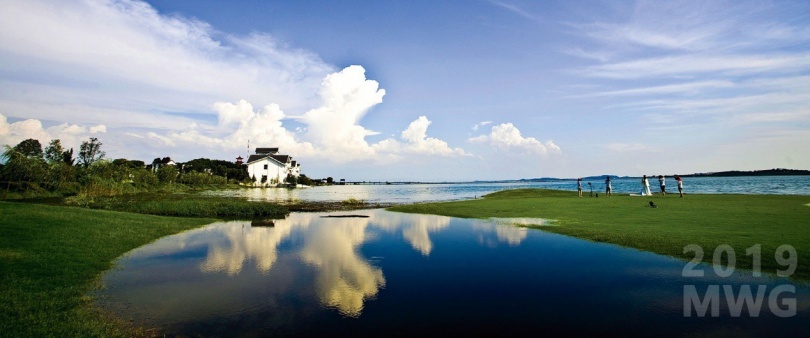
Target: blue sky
418,90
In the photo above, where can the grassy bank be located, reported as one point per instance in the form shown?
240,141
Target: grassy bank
51,256
184,205
706,220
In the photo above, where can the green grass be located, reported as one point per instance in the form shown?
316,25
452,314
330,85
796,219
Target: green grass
52,256
706,220
185,205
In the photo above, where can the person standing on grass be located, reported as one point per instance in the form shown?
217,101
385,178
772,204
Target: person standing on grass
579,186
662,182
645,186
608,187
680,184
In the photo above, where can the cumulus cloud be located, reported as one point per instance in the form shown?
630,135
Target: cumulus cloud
243,124
416,141
335,126
175,82
70,135
507,137
332,130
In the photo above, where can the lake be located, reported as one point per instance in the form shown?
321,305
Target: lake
410,193
394,274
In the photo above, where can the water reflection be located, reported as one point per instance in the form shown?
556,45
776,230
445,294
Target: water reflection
307,275
503,231
415,230
341,277
240,242
344,278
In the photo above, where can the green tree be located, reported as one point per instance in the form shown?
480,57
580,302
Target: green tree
303,179
67,157
22,168
167,174
136,164
144,179
30,148
60,175
53,153
90,152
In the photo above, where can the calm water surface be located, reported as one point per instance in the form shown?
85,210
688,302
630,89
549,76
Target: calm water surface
393,274
785,185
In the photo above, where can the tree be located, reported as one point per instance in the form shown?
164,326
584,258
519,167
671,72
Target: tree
22,168
330,180
53,153
67,157
90,152
303,179
60,163
167,174
136,164
30,148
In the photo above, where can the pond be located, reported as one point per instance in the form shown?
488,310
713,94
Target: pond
380,273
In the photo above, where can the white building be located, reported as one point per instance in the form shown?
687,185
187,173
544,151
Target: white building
267,168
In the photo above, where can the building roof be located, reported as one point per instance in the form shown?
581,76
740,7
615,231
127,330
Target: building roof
265,151
259,157
282,158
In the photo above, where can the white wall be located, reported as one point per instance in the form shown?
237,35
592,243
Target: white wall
273,171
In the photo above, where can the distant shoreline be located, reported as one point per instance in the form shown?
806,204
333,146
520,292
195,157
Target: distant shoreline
768,172
730,173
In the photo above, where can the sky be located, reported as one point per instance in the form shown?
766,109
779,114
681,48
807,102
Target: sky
417,90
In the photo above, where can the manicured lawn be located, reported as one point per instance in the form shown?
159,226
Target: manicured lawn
706,220
52,256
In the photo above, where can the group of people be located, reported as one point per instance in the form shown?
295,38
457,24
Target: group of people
662,183
645,186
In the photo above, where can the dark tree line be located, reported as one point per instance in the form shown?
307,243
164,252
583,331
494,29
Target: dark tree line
28,168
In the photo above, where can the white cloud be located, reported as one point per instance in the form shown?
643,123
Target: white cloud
416,141
335,126
478,125
166,141
70,135
516,10
124,54
507,137
683,88
683,65
333,130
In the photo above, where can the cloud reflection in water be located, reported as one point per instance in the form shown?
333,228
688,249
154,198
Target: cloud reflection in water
344,278
245,243
416,229
305,255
